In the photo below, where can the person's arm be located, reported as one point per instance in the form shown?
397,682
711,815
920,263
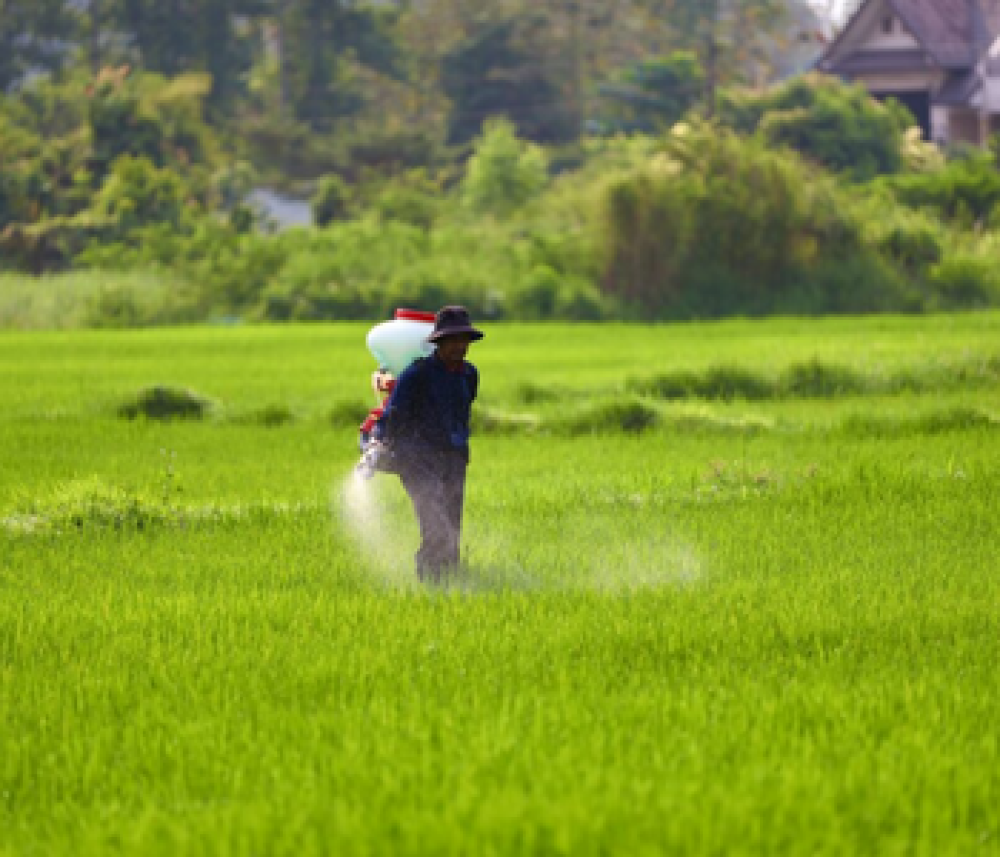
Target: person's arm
473,383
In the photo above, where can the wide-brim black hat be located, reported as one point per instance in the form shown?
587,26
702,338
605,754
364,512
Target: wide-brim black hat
453,321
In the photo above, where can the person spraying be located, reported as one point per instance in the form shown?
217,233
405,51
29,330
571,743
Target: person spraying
422,434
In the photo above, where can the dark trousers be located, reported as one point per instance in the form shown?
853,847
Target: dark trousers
436,485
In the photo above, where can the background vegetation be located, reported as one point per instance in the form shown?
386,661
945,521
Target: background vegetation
665,162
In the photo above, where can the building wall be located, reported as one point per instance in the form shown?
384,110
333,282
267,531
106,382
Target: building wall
964,127
940,125
928,81
991,95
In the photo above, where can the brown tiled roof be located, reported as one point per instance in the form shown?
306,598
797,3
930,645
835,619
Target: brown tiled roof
954,32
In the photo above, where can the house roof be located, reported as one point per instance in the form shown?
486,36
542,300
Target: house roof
875,62
954,33
958,89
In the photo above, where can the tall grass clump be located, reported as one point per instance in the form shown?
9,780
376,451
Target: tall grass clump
87,505
938,421
114,299
623,414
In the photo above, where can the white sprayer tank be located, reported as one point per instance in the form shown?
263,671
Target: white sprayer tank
396,344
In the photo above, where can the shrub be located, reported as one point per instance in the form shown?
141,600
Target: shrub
89,504
912,246
716,382
651,95
965,282
966,190
832,123
959,418
536,297
626,414
504,172
529,393
818,379
268,416
412,202
578,300
166,403
715,225
116,307
331,201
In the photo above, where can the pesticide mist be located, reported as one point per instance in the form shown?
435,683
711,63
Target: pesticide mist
584,551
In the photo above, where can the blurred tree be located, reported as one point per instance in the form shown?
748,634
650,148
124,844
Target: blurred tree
501,70
504,173
728,36
331,201
35,36
652,95
320,42
577,43
175,36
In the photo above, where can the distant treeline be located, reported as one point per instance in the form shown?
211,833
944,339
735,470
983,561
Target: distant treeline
450,157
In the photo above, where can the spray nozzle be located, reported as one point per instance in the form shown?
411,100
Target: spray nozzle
371,457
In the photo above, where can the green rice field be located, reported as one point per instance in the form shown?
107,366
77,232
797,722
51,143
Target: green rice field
730,589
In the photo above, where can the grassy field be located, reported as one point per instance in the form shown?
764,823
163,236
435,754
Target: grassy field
732,589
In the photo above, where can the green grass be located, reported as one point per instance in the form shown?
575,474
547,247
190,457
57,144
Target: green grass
700,626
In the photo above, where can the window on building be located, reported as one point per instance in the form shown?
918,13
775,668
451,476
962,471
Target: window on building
888,25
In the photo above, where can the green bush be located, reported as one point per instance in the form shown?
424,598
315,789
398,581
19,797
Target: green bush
941,421
504,172
537,295
913,246
827,121
163,402
715,224
136,194
716,382
965,282
616,415
816,379
269,416
414,200
651,95
332,201
579,300
966,190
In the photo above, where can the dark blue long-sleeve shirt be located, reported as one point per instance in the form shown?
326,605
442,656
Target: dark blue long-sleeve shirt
430,409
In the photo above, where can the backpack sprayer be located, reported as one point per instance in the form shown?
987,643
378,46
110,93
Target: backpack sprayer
394,345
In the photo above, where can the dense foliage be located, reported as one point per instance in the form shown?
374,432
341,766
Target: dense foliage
531,172
836,125
779,239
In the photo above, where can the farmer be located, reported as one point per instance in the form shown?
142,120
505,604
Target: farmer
427,419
